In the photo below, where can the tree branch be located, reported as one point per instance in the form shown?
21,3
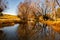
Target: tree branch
58,3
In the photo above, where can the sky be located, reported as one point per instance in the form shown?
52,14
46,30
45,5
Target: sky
12,7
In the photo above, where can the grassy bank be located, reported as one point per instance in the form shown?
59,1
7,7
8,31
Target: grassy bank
7,20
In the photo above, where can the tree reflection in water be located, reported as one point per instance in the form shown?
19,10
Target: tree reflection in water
39,33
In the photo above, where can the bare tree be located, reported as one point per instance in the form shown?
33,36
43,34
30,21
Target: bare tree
53,7
58,3
28,11
2,6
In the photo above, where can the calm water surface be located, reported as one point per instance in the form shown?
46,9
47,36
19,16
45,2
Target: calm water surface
11,32
43,34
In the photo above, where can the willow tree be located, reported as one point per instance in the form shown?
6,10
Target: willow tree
23,9
27,11
2,6
49,6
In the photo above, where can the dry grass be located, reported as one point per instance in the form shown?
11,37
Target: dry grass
8,20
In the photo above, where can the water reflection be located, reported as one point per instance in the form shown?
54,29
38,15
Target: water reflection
39,34
11,32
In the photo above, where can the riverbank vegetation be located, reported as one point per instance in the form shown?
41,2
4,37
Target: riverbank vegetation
7,20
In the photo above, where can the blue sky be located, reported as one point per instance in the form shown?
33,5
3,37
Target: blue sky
12,6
